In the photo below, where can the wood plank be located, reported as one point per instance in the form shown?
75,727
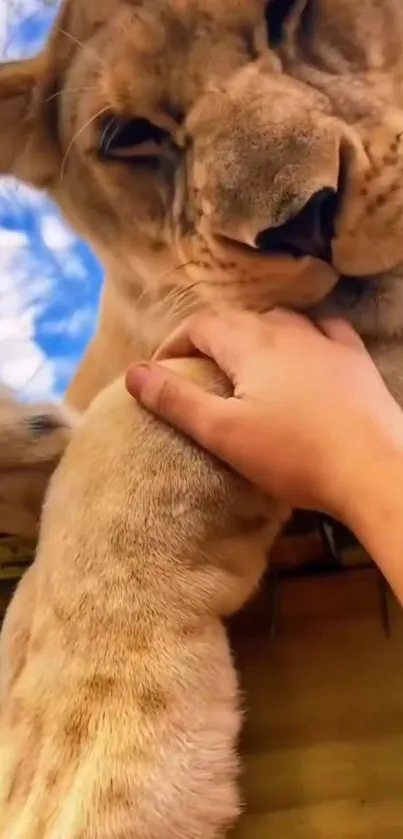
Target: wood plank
322,745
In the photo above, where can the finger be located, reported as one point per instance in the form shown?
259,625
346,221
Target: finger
281,317
200,415
225,338
180,343
341,331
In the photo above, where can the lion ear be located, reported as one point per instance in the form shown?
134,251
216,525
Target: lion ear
28,146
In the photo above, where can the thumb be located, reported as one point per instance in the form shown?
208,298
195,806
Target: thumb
341,331
199,414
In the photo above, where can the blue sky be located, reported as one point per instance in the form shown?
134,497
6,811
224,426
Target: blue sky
49,279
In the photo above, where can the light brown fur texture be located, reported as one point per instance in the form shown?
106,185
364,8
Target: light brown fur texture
121,719
243,122
32,441
262,105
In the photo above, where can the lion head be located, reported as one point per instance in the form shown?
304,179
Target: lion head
238,153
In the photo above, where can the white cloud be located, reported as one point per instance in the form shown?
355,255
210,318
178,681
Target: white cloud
56,235
80,321
42,272
23,365
30,283
15,16
40,268
28,371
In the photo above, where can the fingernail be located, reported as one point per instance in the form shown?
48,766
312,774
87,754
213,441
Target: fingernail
136,379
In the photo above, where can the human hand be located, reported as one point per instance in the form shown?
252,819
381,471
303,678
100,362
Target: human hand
309,413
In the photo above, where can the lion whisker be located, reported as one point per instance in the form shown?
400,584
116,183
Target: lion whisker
70,90
77,135
81,44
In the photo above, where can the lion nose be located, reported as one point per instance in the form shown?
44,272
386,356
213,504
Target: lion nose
308,233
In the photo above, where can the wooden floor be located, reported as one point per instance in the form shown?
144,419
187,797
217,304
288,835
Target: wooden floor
323,740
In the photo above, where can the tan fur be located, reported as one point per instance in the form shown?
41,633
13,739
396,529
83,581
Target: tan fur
123,716
32,440
254,133
255,128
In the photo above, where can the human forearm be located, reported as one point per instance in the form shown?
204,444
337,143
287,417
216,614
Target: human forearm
375,515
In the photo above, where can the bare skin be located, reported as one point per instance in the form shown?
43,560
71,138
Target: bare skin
322,432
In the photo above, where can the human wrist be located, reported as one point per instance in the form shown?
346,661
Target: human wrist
367,442
372,507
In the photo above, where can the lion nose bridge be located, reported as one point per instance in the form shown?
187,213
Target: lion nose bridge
277,196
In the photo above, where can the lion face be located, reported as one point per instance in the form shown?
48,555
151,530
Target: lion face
198,157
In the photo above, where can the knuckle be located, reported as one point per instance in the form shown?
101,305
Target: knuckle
213,431
166,397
